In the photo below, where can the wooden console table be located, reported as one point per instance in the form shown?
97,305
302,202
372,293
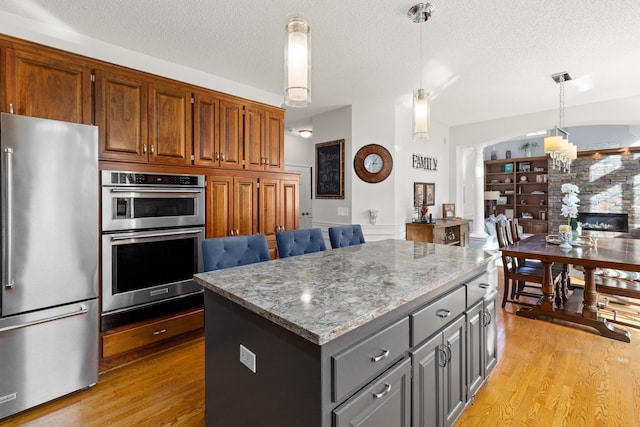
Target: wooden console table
443,231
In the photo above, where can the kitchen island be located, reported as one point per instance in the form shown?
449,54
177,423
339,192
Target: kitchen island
331,337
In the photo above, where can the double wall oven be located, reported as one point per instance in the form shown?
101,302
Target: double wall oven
152,231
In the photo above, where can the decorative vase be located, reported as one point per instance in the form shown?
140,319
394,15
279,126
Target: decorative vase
494,154
527,152
565,236
576,229
507,155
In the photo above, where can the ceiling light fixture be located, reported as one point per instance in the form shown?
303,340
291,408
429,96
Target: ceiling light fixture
420,13
305,133
297,61
562,152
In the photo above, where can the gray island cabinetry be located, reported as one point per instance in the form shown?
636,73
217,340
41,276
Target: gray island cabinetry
389,333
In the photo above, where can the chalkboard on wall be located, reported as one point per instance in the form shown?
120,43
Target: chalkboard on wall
330,170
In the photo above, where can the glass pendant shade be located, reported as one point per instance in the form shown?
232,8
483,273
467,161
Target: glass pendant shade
421,115
552,144
297,62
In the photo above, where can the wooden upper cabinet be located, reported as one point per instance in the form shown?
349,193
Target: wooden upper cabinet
170,140
231,134
47,86
206,129
274,140
121,115
253,137
269,203
264,138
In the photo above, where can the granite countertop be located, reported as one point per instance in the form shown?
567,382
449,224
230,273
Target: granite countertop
323,295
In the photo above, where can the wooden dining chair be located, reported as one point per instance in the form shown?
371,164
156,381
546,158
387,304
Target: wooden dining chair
519,280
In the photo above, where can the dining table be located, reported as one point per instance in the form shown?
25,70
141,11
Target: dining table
581,307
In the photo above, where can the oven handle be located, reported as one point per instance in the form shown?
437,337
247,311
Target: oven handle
156,191
154,235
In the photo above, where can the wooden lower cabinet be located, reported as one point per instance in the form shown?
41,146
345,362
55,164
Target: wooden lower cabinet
533,226
136,336
232,206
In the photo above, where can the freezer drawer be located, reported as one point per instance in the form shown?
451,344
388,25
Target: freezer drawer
47,354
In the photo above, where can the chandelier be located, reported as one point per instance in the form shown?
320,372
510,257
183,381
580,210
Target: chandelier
561,151
420,13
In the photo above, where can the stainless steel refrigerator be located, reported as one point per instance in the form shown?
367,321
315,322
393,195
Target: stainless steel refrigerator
49,311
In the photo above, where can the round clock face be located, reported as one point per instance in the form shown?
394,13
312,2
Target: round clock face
373,163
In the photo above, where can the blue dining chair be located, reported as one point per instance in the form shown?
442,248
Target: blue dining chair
299,242
345,235
232,251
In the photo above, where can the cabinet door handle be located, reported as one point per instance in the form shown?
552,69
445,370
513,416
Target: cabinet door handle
160,332
237,232
443,313
152,149
449,353
443,356
385,354
144,148
487,317
266,161
217,155
222,156
387,389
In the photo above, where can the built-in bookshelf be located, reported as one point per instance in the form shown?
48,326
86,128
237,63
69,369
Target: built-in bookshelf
523,187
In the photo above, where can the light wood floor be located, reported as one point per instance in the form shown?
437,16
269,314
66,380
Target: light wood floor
548,374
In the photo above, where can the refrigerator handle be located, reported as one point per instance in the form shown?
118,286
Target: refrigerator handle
82,310
8,276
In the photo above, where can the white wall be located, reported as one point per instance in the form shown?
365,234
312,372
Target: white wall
298,151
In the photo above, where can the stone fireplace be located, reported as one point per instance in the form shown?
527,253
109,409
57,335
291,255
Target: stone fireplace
609,192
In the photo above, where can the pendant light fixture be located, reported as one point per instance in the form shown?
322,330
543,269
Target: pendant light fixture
297,61
562,152
420,13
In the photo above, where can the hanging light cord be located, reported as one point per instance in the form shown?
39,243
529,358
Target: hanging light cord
420,71
561,123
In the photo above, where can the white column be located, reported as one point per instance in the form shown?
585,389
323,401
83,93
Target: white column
478,236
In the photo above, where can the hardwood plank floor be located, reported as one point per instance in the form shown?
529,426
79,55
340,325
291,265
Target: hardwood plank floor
548,374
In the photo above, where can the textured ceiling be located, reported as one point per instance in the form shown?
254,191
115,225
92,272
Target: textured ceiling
482,60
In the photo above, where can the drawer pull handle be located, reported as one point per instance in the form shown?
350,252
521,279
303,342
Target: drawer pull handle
160,332
443,313
385,353
387,389
484,285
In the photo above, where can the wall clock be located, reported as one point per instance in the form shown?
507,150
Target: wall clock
373,163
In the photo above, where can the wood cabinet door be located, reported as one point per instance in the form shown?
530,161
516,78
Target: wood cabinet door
121,116
269,202
254,158
289,215
231,132
219,209
206,128
170,124
274,141
245,205
47,86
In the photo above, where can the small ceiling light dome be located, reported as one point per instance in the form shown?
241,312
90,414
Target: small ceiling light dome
305,133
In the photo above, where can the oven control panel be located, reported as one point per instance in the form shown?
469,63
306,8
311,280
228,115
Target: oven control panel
117,178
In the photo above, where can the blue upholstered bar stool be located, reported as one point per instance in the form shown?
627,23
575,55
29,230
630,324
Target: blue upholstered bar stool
299,242
345,235
232,251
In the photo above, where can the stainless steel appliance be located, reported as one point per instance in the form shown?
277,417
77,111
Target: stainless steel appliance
152,232
49,311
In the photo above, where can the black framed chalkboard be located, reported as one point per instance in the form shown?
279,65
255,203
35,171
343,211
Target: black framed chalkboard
330,170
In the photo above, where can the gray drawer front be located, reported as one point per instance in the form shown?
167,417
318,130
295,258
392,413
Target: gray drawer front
359,364
479,287
428,320
386,402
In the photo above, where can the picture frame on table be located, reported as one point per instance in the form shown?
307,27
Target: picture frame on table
448,210
508,213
